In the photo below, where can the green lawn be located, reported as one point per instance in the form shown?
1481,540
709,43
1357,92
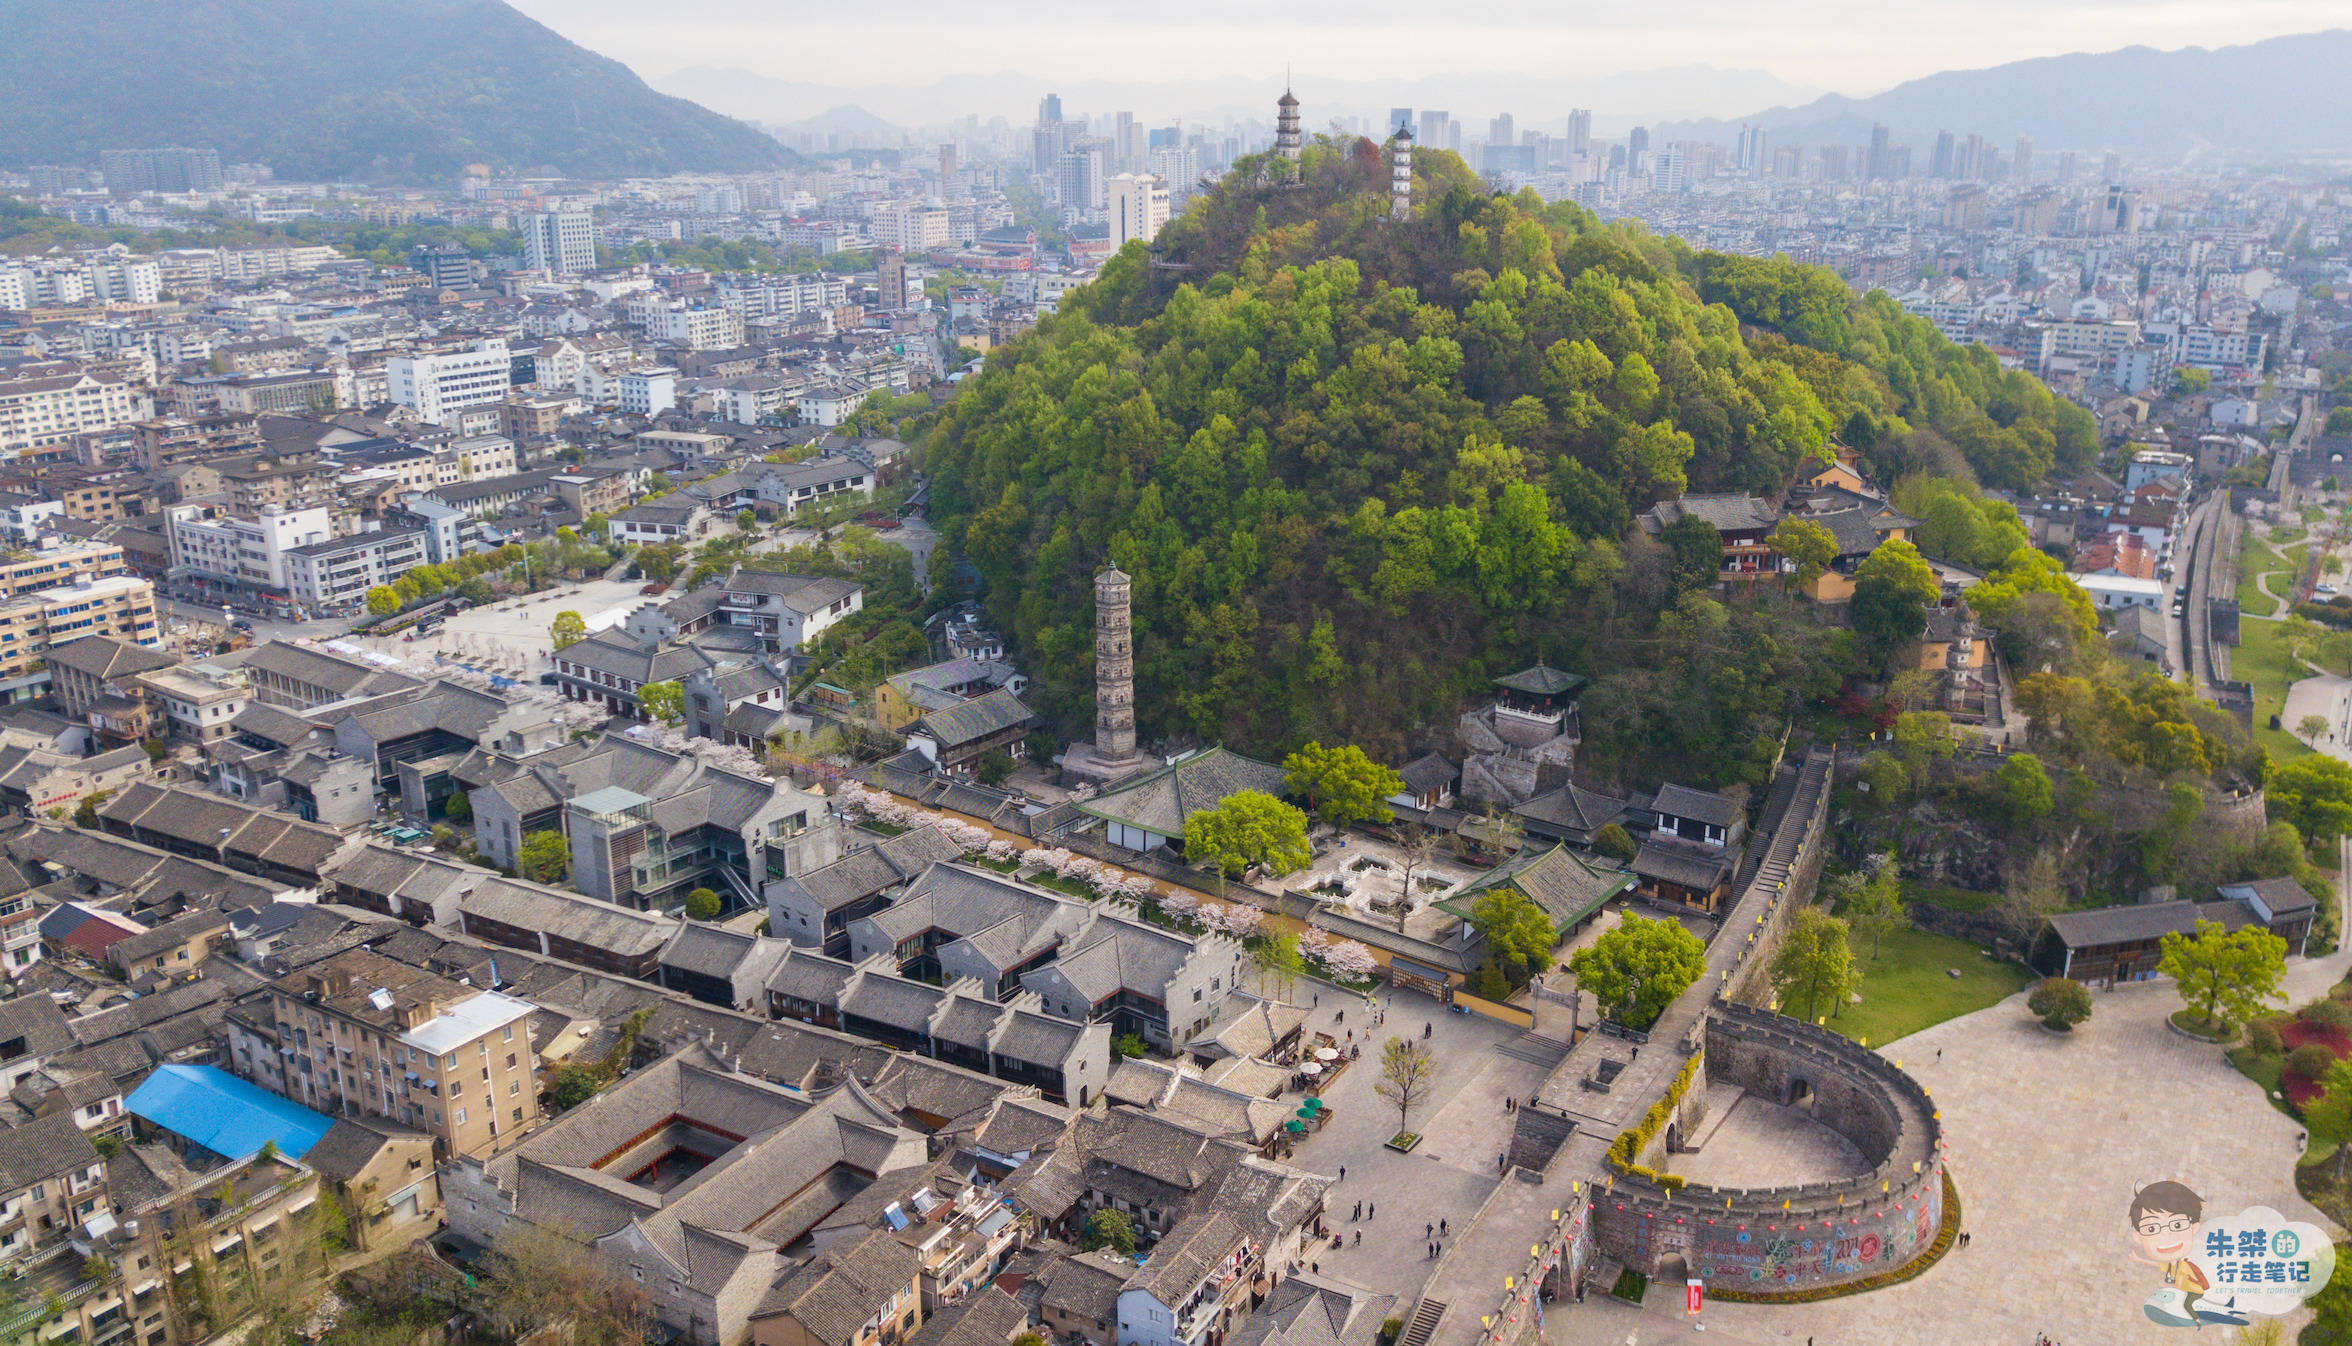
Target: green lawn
1906,988
1947,896
2261,662
2254,559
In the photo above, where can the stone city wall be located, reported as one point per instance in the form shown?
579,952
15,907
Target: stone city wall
1805,1235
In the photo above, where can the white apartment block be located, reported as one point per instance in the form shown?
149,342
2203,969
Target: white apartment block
338,573
559,242
245,550
700,329
437,387
756,296
911,226
48,409
1137,207
476,458
648,392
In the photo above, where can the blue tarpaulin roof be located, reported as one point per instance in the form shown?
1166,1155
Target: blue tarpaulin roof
224,1114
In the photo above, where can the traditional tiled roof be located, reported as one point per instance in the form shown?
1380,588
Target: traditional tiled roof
106,659
1682,865
1160,802
1558,880
1704,806
1725,513
1540,680
976,719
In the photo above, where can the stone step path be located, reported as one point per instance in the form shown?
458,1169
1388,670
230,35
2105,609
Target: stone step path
1533,1049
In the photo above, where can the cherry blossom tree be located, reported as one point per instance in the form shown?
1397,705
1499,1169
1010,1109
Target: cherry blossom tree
1347,958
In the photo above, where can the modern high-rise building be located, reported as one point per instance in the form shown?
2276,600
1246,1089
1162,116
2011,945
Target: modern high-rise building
1750,156
1834,159
1502,131
2021,162
1126,142
560,242
1637,152
1178,166
177,169
1397,116
2065,167
1136,206
1437,130
1049,109
1078,179
2111,167
1580,131
890,280
1940,164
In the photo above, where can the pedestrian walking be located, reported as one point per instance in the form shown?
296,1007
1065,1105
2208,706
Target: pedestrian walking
1425,1030
1427,1229
1359,1238
1359,1213
1343,1173
1939,1053
1370,1209
1441,1227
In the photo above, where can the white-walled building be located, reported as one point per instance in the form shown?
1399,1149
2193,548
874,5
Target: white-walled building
46,409
437,387
246,550
648,392
561,242
1137,207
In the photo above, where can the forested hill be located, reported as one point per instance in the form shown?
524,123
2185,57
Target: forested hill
381,90
1359,466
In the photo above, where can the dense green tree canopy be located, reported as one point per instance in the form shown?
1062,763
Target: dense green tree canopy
1358,467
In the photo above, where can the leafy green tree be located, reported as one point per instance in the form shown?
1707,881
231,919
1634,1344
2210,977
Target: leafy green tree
1249,828
1108,1228
702,904
1613,841
660,564
1892,590
2042,615
460,808
746,521
2330,1119
2314,793
573,1085
994,766
2060,1003
663,701
1127,1047
2188,380
1871,898
382,601
544,857
568,628
1519,935
2023,789
1637,969
1814,967
1806,545
1278,960
1341,784
2225,977
1698,552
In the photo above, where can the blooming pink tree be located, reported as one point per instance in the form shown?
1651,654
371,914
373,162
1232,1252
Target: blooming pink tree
1350,959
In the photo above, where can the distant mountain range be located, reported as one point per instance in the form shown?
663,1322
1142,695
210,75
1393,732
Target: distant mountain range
371,89
2287,95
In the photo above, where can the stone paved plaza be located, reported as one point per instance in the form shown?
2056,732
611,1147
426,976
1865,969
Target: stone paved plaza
1463,1127
1760,1143
2050,1136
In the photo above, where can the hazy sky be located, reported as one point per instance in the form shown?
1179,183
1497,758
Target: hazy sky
1848,46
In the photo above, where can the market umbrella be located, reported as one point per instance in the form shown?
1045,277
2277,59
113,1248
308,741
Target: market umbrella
1314,1102
1294,1128
1327,1053
1310,1068
1306,1114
